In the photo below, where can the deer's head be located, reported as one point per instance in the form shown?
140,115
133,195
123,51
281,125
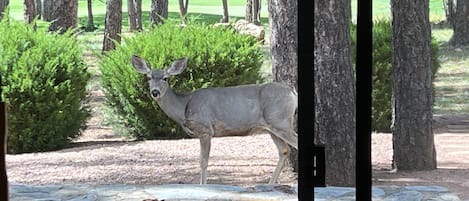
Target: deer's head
157,78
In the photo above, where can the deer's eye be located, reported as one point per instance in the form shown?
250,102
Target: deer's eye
165,79
147,78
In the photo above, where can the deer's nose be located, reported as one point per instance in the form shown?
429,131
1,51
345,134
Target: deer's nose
155,93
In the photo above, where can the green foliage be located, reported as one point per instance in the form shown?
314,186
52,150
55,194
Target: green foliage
216,57
382,73
44,82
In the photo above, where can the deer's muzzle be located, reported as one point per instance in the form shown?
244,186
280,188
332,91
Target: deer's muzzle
155,93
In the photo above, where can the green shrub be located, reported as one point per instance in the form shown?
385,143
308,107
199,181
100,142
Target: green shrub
44,81
382,73
216,57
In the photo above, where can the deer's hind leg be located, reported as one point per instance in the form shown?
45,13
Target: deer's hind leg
283,153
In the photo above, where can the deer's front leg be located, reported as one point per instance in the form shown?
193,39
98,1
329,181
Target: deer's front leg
205,142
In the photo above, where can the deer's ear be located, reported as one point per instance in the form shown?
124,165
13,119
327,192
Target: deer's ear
140,65
177,66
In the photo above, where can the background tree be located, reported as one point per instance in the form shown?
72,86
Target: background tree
158,12
3,5
283,25
253,10
134,8
90,25
29,13
183,6
64,15
460,22
47,8
112,27
225,18
413,141
38,8
334,82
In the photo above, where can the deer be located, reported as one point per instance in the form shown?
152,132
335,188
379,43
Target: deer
226,111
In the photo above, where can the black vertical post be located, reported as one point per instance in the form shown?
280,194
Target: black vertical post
305,100
363,118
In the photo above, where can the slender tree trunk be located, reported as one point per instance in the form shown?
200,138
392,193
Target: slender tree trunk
38,8
47,9
138,14
29,11
334,83
248,16
132,15
183,6
90,25
159,11
413,141
64,15
112,28
256,11
461,24
283,48
226,17
3,5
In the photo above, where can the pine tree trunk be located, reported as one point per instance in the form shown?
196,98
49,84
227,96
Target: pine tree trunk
64,15
283,48
248,16
334,98
132,15
138,14
159,11
225,12
3,5
38,8
413,141
90,25
256,12
183,6
47,9
29,11
461,24
112,28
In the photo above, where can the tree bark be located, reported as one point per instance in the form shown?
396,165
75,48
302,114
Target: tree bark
253,10
38,8
159,11
283,49
413,141
3,5
183,6
334,88
64,15
256,12
112,28
225,18
29,11
461,24
138,14
132,15
90,25
248,16
47,9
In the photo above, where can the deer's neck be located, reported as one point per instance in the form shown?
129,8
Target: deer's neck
174,105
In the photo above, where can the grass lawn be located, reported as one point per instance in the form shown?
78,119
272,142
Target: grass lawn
451,81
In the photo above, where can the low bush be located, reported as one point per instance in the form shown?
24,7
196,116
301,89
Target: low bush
44,86
216,57
382,73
